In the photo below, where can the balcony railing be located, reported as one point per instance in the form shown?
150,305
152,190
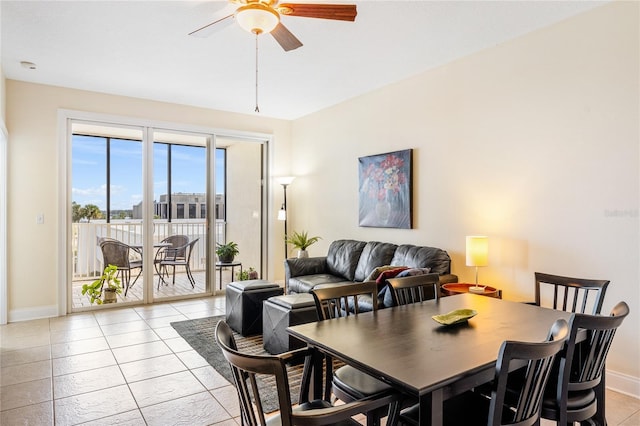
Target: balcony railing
87,257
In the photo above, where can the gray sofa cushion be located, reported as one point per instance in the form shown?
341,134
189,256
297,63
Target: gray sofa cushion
305,283
374,254
343,256
422,257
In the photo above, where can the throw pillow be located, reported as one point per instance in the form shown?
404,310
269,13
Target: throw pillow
377,271
413,271
389,273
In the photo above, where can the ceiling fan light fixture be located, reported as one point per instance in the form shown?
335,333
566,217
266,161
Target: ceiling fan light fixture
257,18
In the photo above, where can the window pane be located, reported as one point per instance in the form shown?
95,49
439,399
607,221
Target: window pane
89,175
126,179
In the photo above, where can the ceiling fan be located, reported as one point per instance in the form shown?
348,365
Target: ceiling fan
263,16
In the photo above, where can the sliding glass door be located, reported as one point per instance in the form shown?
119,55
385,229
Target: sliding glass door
179,214
154,202
106,225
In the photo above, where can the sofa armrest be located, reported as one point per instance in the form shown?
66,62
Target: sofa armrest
448,278
296,267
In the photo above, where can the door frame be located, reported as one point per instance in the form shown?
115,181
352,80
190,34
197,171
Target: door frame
67,117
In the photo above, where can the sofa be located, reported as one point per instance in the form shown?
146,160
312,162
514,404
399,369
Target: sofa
349,261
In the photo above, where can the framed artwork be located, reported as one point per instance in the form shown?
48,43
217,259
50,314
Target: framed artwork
385,190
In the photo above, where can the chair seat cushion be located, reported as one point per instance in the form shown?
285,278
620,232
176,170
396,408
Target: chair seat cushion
356,383
576,400
468,409
311,405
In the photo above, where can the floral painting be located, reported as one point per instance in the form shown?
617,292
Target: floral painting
385,190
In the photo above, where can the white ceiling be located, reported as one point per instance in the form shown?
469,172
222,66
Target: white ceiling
141,48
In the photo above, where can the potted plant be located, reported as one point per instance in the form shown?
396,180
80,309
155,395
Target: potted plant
247,274
301,240
108,283
226,252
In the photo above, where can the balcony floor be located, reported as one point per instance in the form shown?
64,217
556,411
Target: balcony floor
181,288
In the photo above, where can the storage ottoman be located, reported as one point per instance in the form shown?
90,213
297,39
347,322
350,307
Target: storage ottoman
244,304
280,312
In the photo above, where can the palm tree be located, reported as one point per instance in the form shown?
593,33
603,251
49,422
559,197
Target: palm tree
91,211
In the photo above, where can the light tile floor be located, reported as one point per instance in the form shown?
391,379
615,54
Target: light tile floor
129,366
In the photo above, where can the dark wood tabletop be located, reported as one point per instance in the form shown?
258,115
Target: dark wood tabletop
405,347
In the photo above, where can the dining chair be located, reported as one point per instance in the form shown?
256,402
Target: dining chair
174,260
575,395
245,367
472,408
569,294
171,248
348,383
119,254
417,288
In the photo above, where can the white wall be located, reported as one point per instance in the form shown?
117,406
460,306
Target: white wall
32,120
533,143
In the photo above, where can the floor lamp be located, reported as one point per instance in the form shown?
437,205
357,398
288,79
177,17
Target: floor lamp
282,213
477,251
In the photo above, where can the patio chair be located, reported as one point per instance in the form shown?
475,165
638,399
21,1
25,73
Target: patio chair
473,408
174,259
119,254
245,367
171,248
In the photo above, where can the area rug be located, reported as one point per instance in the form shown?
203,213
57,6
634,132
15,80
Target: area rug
200,334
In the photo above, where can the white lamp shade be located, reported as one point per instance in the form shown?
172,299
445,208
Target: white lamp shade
257,18
477,251
282,214
285,180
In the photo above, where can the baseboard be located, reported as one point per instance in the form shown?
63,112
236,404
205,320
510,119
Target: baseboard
26,314
623,383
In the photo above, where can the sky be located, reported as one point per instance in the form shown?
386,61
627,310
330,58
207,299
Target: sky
89,171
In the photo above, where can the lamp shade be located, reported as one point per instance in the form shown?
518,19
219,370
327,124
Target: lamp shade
477,251
285,180
257,18
282,213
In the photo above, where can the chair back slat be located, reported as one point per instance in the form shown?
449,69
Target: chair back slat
413,289
539,358
342,300
570,294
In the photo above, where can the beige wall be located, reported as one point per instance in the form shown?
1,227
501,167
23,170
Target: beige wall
3,103
33,187
533,143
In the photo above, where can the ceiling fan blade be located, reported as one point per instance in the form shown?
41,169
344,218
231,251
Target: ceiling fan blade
341,12
285,38
211,28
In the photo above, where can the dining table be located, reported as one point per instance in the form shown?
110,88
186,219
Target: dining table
406,348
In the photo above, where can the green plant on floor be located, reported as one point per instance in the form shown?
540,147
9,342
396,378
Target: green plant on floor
226,252
247,274
109,283
301,240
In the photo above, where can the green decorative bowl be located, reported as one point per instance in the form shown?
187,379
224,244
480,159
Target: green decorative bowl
455,317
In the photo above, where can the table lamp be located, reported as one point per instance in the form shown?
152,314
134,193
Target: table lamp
477,255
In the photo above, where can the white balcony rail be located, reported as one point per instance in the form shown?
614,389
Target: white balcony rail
87,257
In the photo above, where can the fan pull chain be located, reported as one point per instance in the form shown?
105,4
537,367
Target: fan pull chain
257,109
